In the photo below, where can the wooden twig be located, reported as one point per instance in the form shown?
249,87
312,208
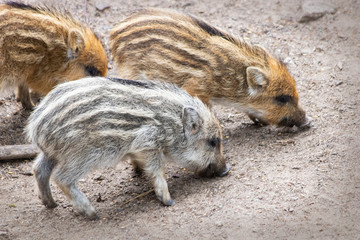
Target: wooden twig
13,152
138,196
85,12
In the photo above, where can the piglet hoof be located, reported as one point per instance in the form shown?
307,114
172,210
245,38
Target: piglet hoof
169,203
93,217
257,122
50,204
138,171
27,105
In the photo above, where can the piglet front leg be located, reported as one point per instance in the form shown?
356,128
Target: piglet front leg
155,169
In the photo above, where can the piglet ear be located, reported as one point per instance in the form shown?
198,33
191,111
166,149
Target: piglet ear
76,44
191,120
256,79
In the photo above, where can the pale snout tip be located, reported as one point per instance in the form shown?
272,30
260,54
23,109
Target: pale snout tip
225,171
308,123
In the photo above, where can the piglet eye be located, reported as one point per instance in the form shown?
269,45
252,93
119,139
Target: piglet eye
92,71
214,142
282,99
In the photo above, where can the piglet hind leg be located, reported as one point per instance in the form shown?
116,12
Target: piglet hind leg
42,169
155,169
137,164
79,201
23,95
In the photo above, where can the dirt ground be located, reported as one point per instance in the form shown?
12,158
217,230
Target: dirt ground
284,183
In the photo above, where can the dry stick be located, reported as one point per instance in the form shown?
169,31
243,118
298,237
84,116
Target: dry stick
13,152
138,196
85,12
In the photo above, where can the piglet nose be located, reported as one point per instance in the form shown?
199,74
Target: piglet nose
308,123
224,171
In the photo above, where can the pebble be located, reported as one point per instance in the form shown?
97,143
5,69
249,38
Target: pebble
339,65
100,6
27,173
306,51
338,83
289,61
4,235
315,9
289,209
219,224
319,49
99,199
99,178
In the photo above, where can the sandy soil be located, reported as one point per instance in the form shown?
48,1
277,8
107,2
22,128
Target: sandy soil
284,184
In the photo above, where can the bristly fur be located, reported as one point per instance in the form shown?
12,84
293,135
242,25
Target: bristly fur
20,5
97,122
206,61
213,31
45,9
42,47
131,82
51,11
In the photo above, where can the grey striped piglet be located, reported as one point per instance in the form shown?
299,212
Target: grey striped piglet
97,122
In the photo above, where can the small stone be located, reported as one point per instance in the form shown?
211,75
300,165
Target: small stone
313,10
4,235
27,173
319,49
289,61
100,6
99,178
342,37
306,51
338,83
339,65
99,199
219,224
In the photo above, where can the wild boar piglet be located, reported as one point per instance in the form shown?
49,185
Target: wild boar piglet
95,122
207,62
40,48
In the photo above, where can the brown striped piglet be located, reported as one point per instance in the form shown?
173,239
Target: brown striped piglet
166,45
40,48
